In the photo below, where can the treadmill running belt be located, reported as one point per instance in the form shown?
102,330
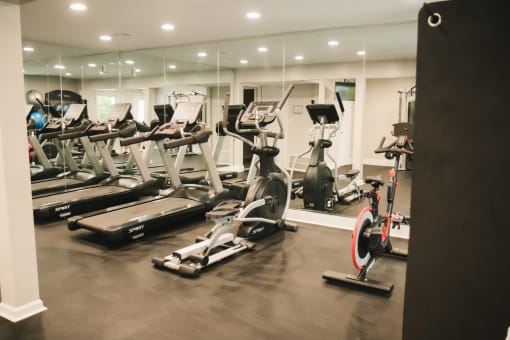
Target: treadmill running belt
114,219
61,182
77,195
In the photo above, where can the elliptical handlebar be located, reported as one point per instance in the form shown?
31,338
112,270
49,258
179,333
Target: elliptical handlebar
258,128
396,147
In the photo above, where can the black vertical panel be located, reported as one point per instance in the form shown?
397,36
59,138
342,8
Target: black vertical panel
458,274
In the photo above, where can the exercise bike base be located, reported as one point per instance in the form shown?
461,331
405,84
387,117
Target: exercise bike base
396,254
351,280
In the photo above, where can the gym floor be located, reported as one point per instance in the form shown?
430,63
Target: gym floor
273,292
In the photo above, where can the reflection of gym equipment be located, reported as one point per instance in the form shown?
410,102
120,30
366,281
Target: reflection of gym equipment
116,189
131,221
263,211
74,176
58,101
407,100
322,188
371,234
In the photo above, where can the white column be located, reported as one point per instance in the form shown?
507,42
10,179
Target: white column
357,141
236,97
19,282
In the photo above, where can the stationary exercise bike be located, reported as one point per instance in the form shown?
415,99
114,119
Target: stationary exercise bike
262,213
322,188
371,234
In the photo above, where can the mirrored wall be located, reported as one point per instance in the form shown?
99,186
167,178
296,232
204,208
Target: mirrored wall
372,67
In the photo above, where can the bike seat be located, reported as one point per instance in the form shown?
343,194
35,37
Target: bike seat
375,181
352,173
224,209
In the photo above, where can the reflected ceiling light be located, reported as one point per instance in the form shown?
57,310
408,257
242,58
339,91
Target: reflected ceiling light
361,53
59,67
68,74
137,70
92,65
168,27
253,15
262,49
299,57
172,66
130,62
202,54
105,37
78,6
333,43
28,49
101,73
243,61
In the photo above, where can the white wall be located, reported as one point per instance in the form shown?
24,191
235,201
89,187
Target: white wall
385,78
381,112
45,84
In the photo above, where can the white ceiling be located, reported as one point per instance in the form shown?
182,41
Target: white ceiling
386,29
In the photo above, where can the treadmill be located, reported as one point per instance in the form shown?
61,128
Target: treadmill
132,221
114,190
72,122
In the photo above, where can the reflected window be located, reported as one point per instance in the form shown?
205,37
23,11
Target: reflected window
347,90
103,103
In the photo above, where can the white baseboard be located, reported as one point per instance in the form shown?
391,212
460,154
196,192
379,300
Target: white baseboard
234,168
335,221
15,314
378,162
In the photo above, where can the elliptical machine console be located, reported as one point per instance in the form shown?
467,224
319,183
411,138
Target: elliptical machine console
262,212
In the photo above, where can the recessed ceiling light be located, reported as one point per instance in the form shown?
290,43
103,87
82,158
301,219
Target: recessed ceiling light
262,49
172,66
202,54
101,73
243,61
78,6
168,27
299,57
59,67
361,53
105,37
28,49
68,74
130,62
253,15
137,70
333,43
92,65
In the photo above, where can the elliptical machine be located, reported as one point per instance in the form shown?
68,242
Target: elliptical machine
371,234
320,189
262,213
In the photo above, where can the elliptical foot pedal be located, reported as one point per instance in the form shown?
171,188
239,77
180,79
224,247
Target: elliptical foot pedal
289,226
248,244
382,288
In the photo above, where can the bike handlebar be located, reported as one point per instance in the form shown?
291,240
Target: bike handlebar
393,148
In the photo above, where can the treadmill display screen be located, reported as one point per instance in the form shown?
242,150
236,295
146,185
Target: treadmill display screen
74,112
118,112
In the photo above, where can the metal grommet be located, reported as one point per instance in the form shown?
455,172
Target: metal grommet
435,20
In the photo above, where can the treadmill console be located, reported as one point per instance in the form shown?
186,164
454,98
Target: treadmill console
74,113
119,113
261,112
326,111
186,113
164,112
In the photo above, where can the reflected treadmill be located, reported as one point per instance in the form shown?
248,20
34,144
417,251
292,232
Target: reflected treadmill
73,122
116,189
132,221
